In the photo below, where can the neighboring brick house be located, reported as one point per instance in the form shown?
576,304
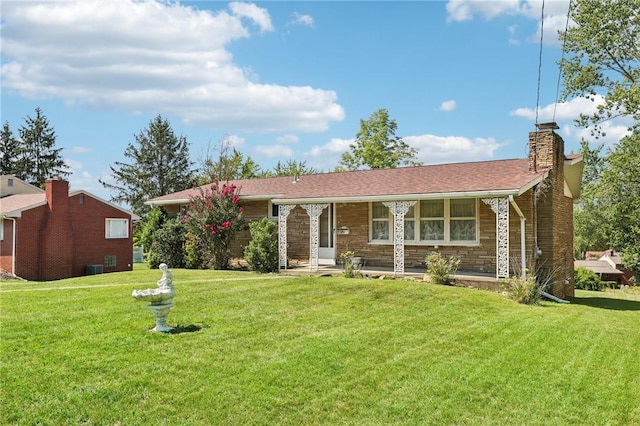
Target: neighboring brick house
608,265
53,234
498,217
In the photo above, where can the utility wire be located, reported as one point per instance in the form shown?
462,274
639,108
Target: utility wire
540,61
564,44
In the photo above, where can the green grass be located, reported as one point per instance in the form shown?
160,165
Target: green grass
312,350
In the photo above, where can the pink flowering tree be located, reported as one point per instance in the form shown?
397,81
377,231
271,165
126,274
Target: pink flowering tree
213,219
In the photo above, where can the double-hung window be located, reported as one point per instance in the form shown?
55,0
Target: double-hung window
116,228
438,221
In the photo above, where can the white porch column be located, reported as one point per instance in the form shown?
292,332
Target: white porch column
283,213
500,207
314,211
399,209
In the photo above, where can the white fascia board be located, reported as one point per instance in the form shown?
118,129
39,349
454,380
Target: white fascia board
404,197
182,201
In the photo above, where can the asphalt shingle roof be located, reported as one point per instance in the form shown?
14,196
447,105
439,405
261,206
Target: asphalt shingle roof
483,176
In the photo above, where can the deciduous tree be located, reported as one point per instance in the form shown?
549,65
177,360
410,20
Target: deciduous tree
377,146
603,55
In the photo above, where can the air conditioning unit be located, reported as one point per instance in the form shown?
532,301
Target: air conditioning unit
93,269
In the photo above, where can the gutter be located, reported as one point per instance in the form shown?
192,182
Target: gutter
523,249
403,197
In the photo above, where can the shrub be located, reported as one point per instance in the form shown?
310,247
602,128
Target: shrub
347,261
523,290
214,217
440,269
167,246
262,252
587,280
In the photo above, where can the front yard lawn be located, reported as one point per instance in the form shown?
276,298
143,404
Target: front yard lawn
273,350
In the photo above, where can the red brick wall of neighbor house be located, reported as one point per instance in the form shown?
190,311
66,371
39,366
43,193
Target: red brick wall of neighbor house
27,244
88,229
6,246
555,214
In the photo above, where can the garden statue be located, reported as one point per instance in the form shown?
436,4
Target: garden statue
161,298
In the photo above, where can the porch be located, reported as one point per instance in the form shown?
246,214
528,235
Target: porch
481,281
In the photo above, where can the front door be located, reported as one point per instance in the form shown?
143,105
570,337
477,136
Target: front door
326,239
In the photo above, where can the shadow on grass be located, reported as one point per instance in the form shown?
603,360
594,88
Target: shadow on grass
191,328
607,303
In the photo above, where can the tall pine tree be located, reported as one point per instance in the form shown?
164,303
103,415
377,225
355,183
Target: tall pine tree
159,165
38,158
9,150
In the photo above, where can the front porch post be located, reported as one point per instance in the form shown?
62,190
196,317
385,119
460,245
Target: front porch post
314,211
283,213
500,207
399,209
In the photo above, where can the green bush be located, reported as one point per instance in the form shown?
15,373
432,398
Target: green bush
587,280
168,245
440,269
347,261
262,252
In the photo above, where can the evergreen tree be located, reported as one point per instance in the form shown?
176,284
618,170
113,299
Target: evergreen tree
377,146
9,149
159,165
38,159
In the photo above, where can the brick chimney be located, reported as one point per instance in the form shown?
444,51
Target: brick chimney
553,210
546,148
56,237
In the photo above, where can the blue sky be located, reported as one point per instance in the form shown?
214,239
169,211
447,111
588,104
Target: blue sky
286,80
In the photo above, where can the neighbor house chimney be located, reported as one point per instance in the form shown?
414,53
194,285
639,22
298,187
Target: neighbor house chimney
57,193
546,148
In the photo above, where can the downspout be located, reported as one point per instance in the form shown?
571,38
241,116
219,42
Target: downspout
523,249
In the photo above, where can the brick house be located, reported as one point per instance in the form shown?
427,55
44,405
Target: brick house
53,234
498,217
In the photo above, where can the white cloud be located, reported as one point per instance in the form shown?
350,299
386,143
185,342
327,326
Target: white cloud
434,149
614,129
288,139
274,151
464,10
152,57
555,15
257,14
234,141
305,20
447,106
327,156
80,149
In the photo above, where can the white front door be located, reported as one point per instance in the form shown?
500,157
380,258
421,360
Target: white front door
326,239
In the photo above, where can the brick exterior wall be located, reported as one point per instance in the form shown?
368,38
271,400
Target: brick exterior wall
59,239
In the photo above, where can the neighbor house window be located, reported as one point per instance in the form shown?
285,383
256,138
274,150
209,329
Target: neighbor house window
1,229
441,221
110,261
116,228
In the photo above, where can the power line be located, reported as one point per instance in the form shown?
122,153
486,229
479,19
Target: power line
540,61
564,44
